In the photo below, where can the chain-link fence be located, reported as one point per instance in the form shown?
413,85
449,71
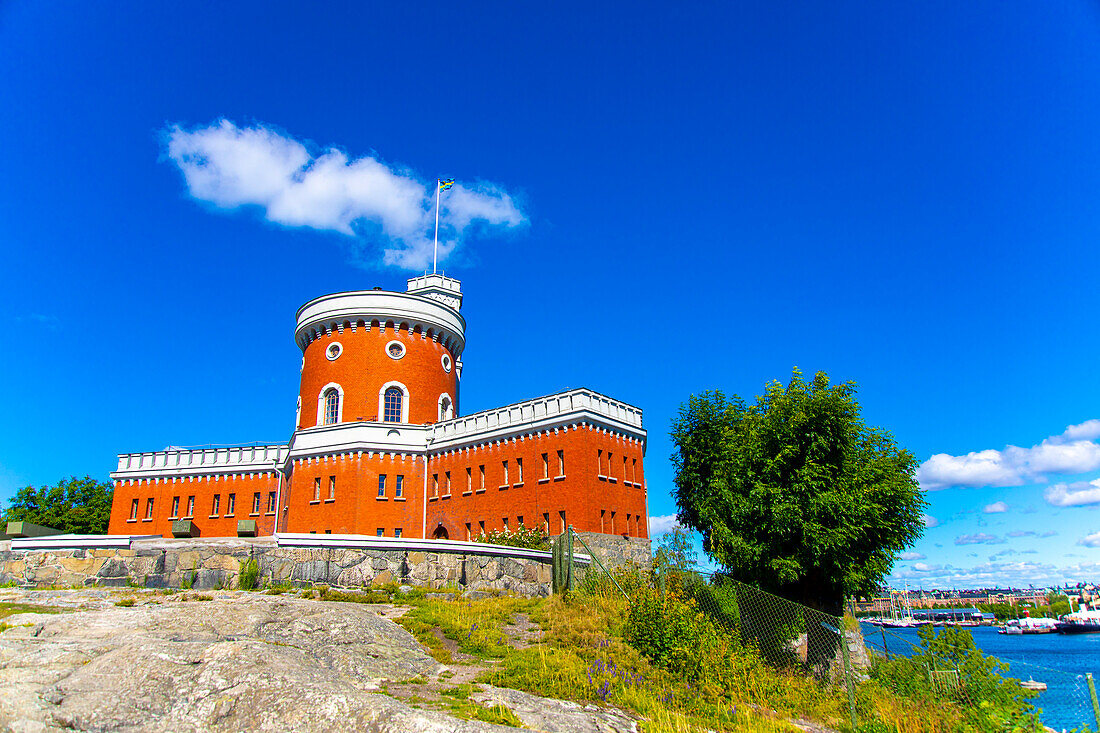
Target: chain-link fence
840,650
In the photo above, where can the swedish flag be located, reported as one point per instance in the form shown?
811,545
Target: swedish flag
445,183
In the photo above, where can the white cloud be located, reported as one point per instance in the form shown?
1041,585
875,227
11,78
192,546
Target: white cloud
911,556
978,539
1071,452
1022,533
1088,430
930,521
230,167
996,507
1092,540
662,525
995,574
1080,493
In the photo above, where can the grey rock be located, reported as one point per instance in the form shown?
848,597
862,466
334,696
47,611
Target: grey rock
558,716
242,662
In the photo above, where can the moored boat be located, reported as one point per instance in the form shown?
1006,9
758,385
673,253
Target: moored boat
1081,622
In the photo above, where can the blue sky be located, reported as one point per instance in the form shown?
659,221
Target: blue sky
659,200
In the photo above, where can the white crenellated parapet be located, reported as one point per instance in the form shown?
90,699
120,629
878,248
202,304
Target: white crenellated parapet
382,309
439,287
200,461
540,413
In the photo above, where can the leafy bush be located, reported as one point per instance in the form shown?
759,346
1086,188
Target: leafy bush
125,602
986,700
531,539
250,573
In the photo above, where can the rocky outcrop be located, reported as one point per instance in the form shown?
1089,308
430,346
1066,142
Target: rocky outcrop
236,662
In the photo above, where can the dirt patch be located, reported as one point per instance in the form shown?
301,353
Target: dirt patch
522,632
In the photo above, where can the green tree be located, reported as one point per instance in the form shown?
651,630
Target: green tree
74,506
794,493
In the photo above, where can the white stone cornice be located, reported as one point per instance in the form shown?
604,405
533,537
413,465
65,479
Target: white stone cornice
334,311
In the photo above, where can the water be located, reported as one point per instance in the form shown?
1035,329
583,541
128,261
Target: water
1059,660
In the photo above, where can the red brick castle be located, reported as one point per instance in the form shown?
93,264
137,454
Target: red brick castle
380,447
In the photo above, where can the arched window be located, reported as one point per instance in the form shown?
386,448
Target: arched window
332,407
392,408
446,409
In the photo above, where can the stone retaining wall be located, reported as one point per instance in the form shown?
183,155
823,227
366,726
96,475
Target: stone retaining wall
216,563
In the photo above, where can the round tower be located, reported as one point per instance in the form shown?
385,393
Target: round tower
382,356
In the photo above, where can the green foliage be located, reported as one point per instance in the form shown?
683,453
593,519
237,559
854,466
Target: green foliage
73,506
531,539
125,603
250,574
950,668
795,494
188,580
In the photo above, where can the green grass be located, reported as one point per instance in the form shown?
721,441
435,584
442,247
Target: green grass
9,609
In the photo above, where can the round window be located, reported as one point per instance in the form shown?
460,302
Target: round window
334,350
395,349
446,361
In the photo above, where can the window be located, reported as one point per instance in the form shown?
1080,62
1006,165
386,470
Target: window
332,407
612,522
216,505
504,521
333,351
445,360
230,505
467,531
256,503
624,469
519,470
519,521
561,463
603,518
599,463
627,524
545,466
175,507
481,526
328,531
446,411
190,507
395,349
481,471
634,470
381,532
397,532
271,502
133,510
546,522
149,509
398,489
469,479
317,488
332,488
448,474
505,464
435,484
609,464
381,484
561,516
393,399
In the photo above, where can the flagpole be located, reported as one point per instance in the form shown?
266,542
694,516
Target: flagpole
435,248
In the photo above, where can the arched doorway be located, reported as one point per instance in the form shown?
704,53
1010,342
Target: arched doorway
440,533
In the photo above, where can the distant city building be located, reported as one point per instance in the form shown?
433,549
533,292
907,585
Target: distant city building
381,448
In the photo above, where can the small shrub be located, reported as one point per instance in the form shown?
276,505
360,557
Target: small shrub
531,539
250,573
125,603
189,579
204,598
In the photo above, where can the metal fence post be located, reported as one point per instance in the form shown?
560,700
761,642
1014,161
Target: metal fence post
569,549
1092,694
